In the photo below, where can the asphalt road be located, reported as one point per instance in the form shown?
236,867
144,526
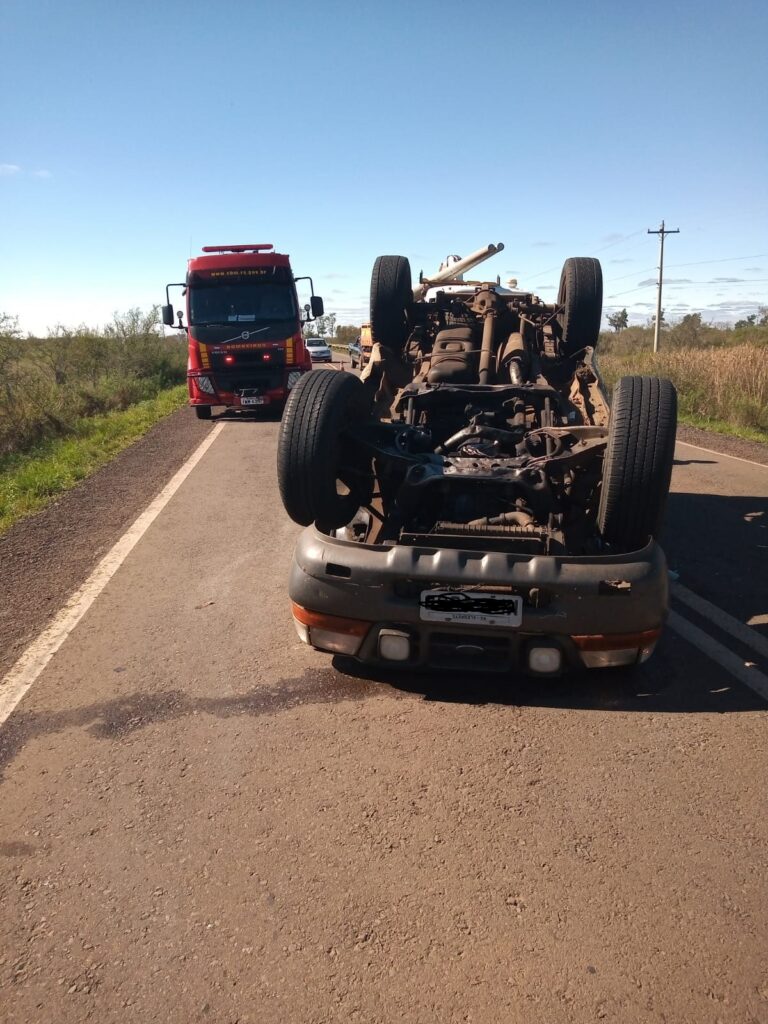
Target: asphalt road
202,820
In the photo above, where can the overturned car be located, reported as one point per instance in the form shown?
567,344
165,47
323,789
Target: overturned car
475,502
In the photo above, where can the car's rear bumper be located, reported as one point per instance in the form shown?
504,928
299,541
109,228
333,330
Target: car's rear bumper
584,607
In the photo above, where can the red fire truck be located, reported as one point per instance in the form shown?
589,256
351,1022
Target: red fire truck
244,327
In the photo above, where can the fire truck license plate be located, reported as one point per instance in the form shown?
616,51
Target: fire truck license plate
257,400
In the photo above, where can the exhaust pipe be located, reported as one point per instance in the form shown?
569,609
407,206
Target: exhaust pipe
456,269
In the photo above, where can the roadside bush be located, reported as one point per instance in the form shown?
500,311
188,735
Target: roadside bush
48,384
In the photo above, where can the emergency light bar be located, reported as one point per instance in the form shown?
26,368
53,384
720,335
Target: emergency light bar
238,248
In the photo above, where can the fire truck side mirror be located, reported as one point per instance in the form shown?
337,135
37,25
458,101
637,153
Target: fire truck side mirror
168,317
317,306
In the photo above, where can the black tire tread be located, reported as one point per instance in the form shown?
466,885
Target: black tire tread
581,292
391,296
638,461
308,450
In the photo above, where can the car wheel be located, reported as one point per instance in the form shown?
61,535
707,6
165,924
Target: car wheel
638,461
391,300
323,476
581,296
203,412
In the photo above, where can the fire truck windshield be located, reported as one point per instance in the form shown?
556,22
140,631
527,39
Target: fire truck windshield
241,302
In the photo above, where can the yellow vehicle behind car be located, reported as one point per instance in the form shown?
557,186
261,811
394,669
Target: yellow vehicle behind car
366,344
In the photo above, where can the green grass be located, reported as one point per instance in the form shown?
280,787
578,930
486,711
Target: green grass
721,427
31,480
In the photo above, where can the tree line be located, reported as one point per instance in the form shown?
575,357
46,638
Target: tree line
619,321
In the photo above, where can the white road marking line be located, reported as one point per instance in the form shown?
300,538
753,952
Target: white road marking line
722,619
758,620
32,662
745,673
711,451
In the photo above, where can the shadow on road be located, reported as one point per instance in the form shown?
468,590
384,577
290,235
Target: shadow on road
718,545
120,717
677,680
694,462
265,414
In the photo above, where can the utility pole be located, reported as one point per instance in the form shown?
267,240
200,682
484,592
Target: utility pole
662,232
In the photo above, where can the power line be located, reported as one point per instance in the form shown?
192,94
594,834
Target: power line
670,266
696,263
617,241
728,259
645,270
719,284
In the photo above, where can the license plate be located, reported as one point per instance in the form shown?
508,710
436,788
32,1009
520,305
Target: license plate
473,607
258,400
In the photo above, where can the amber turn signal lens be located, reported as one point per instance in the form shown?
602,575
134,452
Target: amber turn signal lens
334,623
615,641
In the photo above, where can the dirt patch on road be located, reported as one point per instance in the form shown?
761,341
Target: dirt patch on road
46,557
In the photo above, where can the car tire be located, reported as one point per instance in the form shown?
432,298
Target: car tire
638,461
323,477
391,300
203,412
581,296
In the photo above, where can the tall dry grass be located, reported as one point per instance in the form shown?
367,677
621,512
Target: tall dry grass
728,384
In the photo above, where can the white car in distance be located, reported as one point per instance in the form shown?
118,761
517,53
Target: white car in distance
318,350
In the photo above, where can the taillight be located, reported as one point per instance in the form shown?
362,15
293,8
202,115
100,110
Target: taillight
329,632
605,650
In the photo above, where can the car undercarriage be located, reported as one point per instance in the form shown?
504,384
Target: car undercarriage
502,435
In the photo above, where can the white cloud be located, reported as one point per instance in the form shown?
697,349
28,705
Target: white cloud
10,170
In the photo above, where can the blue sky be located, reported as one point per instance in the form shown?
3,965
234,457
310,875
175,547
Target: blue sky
135,134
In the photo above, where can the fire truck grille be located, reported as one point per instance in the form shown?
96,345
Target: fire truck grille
262,380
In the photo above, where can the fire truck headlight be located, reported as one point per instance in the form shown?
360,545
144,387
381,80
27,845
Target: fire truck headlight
293,379
205,384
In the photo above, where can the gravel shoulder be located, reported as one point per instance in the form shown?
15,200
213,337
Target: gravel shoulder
45,557
724,443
